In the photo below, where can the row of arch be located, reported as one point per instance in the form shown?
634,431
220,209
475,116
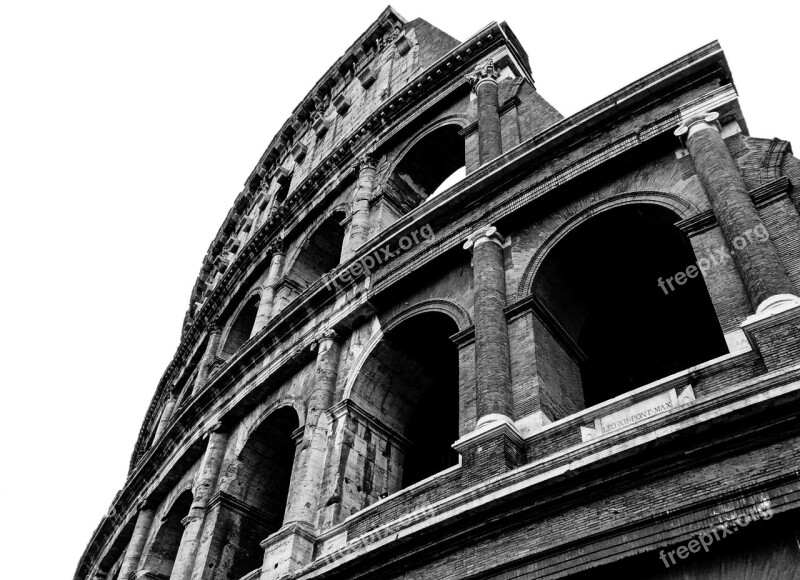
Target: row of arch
596,276
412,175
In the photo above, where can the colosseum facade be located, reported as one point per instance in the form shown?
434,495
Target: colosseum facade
446,333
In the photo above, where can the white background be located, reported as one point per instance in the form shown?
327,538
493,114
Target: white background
126,131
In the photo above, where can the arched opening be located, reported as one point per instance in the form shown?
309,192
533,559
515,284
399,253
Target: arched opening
435,159
322,252
409,383
601,283
164,548
259,480
242,327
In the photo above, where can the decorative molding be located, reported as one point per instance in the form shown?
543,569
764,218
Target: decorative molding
483,235
486,72
469,129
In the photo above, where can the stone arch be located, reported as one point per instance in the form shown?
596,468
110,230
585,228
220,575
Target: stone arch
679,205
606,316
321,248
459,120
160,557
407,381
455,311
409,177
256,482
241,324
289,402
291,256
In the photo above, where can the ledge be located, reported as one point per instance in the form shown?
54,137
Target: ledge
560,469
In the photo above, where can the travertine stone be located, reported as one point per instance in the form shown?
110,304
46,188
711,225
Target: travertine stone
140,532
204,487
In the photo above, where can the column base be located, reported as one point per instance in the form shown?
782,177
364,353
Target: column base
287,550
774,332
495,446
777,303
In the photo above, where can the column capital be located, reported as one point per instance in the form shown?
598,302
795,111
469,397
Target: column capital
329,334
699,122
367,160
217,427
485,72
482,235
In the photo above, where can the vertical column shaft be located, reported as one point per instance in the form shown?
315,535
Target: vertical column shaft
214,334
136,544
304,495
359,222
268,290
490,142
203,489
166,415
756,258
492,358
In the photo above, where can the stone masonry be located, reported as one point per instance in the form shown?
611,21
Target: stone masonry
574,359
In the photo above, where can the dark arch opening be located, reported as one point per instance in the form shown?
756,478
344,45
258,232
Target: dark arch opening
601,283
437,157
161,556
410,384
322,252
259,479
242,327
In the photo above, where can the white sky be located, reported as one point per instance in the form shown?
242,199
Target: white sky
126,131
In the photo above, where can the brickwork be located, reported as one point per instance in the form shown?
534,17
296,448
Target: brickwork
758,262
333,413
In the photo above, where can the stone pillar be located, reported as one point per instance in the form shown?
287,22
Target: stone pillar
762,271
214,334
204,488
304,494
359,222
166,414
268,289
292,547
492,358
484,82
136,544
